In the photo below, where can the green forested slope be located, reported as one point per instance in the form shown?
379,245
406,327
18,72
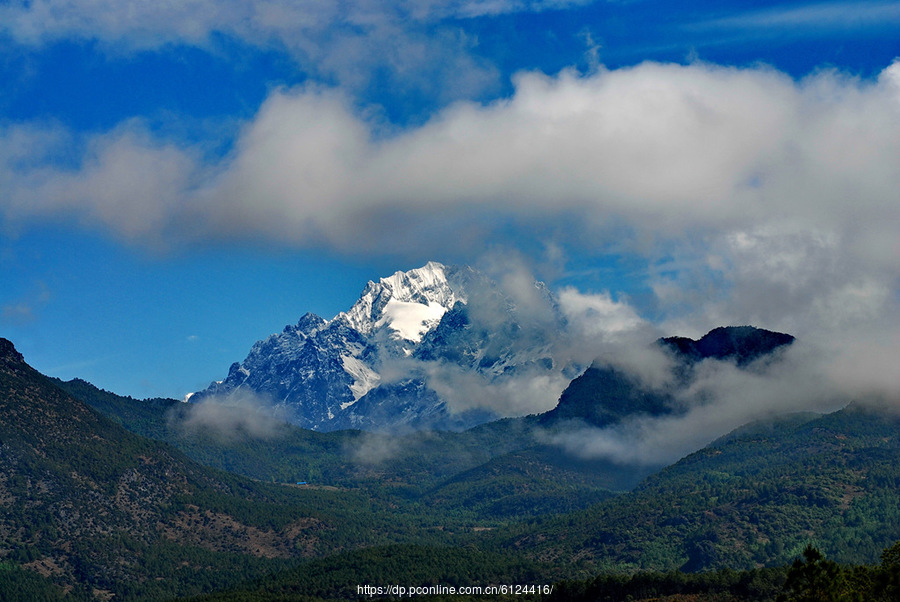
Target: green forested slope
753,498
496,471
339,577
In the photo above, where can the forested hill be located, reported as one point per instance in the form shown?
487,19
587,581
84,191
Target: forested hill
741,344
89,505
756,497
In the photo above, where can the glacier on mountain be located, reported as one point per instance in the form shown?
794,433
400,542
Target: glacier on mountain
410,320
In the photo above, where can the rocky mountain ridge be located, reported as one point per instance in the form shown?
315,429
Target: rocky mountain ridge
391,361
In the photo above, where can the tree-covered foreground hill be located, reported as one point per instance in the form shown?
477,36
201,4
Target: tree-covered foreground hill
754,498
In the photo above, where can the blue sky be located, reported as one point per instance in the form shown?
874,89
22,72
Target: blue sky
179,181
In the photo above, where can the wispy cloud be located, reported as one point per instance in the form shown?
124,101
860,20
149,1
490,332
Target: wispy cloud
813,19
17,313
25,310
373,449
719,399
296,25
415,47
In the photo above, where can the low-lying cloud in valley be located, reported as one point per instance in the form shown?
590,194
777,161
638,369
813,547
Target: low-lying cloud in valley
719,398
237,415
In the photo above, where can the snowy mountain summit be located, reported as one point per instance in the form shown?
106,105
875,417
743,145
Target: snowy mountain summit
408,303
434,347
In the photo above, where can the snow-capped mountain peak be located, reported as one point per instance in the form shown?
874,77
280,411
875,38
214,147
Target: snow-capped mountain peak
404,356
409,303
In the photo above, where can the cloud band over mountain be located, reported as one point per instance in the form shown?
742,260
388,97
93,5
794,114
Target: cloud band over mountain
656,149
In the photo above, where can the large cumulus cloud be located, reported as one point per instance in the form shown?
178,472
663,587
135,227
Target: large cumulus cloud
663,150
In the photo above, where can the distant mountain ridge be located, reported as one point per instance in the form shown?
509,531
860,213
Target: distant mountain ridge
605,395
379,365
743,344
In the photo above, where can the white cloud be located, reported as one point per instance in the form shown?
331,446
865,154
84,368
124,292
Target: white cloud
664,149
237,415
527,391
811,17
125,180
597,314
719,399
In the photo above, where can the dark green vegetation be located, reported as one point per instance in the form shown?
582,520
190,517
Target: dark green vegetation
91,507
753,498
493,472
724,585
88,503
603,396
811,578
338,577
